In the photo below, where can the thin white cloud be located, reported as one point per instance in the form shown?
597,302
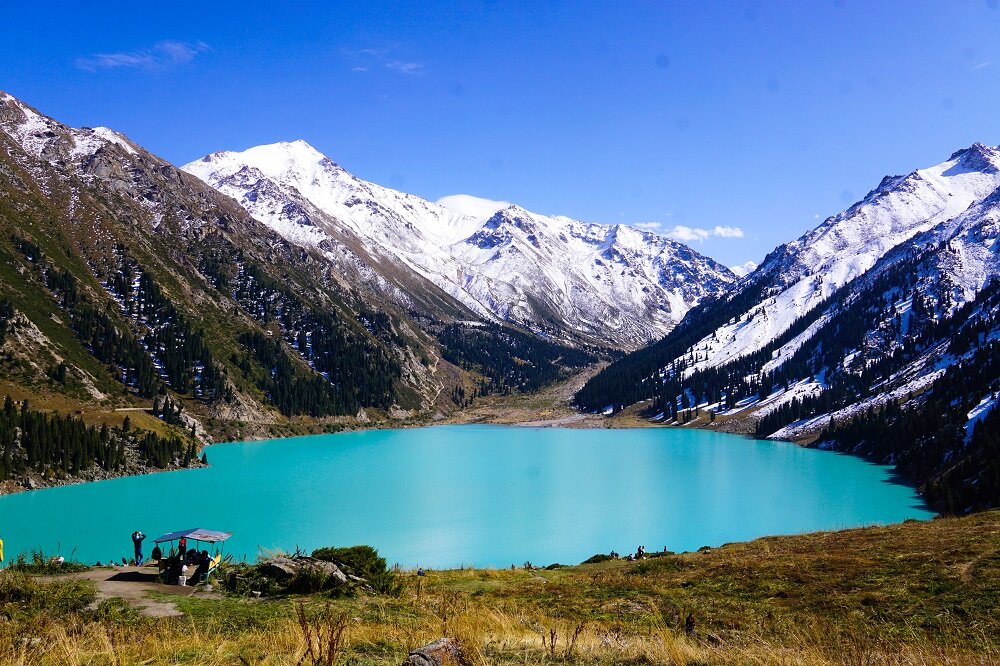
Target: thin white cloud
647,226
746,268
161,56
477,207
727,232
368,59
686,234
411,68
982,64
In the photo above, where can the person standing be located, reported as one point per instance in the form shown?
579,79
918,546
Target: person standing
1,553
137,538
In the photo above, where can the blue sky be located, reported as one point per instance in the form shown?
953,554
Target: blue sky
762,116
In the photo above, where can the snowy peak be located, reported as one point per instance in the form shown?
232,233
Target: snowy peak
844,246
44,138
275,159
294,162
586,282
927,211
977,157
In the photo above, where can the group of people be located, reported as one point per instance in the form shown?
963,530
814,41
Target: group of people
640,554
177,564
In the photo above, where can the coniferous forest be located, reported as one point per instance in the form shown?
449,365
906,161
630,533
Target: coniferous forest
177,348
357,370
508,359
58,446
6,315
289,388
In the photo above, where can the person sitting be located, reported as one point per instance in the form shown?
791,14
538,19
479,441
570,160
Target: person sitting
157,554
173,569
192,557
201,573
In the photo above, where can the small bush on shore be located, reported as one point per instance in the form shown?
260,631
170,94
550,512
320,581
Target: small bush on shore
264,580
248,580
365,562
599,557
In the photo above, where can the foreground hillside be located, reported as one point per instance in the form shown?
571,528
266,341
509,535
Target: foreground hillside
910,593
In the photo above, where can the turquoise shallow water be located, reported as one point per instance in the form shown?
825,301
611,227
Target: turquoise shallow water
480,495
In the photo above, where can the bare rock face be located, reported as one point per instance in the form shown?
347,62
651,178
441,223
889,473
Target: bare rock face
442,652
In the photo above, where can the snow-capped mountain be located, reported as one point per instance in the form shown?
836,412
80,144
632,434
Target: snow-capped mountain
610,285
878,332
949,208
797,276
118,262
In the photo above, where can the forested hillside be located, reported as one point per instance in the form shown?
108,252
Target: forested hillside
55,447
509,360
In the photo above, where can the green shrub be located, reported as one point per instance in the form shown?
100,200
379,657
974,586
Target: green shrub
599,557
246,579
365,562
308,580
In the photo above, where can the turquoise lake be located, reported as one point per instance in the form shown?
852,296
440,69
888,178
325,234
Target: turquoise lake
472,495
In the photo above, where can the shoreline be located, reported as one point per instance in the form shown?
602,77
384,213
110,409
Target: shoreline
550,407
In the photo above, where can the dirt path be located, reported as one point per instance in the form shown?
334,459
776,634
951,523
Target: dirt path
133,584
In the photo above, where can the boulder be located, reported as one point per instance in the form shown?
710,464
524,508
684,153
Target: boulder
283,569
442,652
279,568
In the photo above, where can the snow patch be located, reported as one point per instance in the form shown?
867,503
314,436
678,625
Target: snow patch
978,413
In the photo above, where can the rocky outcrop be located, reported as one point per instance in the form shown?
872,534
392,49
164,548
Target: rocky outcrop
284,569
442,652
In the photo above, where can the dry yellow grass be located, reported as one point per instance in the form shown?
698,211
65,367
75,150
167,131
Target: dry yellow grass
917,593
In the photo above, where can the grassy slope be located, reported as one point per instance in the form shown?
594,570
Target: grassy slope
911,593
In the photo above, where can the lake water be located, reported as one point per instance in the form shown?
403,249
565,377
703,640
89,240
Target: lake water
479,495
